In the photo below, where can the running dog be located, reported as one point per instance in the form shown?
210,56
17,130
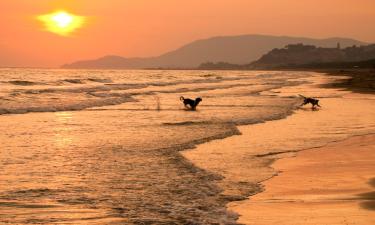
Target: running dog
314,102
192,103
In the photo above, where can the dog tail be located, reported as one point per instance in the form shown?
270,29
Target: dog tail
182,98
302,96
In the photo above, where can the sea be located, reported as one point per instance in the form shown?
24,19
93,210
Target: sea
104,146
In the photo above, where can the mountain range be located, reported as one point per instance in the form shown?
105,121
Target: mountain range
231,49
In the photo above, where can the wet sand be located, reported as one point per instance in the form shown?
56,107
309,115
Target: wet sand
334,184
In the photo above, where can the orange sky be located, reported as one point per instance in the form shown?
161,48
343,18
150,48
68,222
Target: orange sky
151,27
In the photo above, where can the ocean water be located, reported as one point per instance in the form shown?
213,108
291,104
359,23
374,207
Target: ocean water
103,147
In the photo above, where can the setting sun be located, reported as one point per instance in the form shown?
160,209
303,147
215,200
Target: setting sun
61,22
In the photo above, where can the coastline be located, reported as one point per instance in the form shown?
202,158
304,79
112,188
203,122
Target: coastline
360,81
245,172
333,184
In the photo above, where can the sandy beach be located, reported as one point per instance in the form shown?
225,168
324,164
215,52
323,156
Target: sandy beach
334,184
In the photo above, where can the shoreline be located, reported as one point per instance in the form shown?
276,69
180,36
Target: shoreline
360,80
333,184
273,167
244,180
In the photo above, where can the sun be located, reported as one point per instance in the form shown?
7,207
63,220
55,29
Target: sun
62,22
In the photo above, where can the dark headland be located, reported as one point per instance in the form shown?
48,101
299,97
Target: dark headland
357,62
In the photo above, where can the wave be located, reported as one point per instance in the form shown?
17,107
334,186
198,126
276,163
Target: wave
59,82
109,86
68,107
97,92
83,81
75,81
184,123
228,129
23,82
100,80
104,96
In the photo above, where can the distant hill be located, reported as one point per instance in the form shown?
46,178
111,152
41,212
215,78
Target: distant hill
231,49
299,55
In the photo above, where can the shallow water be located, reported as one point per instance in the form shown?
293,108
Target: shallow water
102,147
245,161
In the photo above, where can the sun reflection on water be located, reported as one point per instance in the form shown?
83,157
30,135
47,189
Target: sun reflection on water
63,137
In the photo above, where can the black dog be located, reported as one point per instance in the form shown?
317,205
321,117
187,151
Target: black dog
314,102
192,103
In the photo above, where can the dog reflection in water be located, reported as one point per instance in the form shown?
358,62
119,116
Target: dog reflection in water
190,103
